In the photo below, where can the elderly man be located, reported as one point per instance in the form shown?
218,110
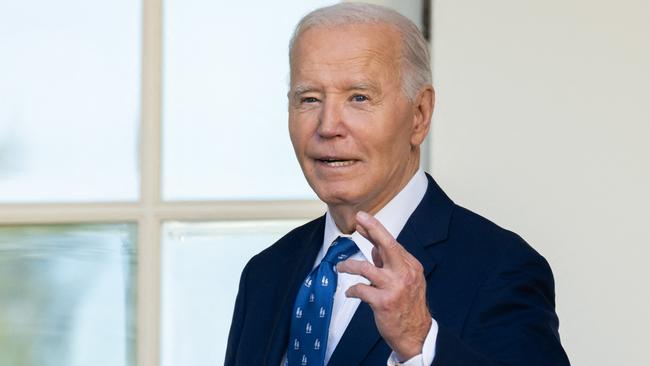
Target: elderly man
394,272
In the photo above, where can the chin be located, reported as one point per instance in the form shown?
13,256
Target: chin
344,189
334,196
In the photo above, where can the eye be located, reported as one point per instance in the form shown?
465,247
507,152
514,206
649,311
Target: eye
359,98
308,100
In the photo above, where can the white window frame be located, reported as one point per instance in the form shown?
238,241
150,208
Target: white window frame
150,211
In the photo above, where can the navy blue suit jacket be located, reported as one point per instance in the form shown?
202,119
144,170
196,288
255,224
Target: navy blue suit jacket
490,292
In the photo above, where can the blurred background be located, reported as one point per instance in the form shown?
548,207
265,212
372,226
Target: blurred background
144,158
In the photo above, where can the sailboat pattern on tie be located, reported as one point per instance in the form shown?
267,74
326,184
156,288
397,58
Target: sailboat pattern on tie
313,307
324,281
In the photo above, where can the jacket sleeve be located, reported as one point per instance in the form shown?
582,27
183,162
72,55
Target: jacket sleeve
237,323
512,320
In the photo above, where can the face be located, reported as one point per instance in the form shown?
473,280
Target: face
354,132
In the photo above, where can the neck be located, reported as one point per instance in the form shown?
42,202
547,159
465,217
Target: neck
344,215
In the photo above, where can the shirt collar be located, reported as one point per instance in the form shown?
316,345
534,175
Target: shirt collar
393,216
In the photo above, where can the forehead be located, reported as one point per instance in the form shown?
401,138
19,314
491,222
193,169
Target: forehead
366,51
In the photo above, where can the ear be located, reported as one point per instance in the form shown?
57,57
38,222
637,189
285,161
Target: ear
422,110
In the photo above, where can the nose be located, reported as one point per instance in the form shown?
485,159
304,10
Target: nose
330,120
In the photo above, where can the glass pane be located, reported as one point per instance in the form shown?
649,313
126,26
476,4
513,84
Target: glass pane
201,265
69,94
67,295
225,107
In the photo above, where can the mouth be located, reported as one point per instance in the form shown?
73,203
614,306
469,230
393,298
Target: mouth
336,162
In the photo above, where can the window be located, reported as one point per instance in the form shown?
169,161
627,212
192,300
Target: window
67,294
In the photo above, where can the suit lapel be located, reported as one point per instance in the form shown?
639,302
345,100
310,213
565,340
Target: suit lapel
298,264
427,226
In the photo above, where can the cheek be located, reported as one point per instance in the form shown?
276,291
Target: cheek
392,148
296,136
300,130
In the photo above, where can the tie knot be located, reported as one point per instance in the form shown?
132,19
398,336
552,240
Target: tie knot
341,249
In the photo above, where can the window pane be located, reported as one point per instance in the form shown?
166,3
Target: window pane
69,94
225,106
67,295
201,266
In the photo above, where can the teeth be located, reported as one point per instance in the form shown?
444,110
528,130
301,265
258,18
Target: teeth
339,163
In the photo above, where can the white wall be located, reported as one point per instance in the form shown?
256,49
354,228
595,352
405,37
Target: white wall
542,124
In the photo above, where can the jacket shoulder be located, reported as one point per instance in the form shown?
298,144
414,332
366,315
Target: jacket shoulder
489,241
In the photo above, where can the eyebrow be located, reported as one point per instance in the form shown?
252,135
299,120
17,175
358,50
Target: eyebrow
364,86
301,89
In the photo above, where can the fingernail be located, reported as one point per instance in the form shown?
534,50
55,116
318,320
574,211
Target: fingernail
362,215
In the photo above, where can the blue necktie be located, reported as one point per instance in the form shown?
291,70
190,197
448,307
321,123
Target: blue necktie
312,310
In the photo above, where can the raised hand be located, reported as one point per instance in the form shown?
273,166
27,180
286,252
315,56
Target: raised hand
397,290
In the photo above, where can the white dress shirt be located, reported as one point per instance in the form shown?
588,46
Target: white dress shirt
393,216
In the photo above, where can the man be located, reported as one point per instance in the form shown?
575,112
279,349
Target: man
394,272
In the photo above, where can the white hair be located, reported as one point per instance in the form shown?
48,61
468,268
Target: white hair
416,67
